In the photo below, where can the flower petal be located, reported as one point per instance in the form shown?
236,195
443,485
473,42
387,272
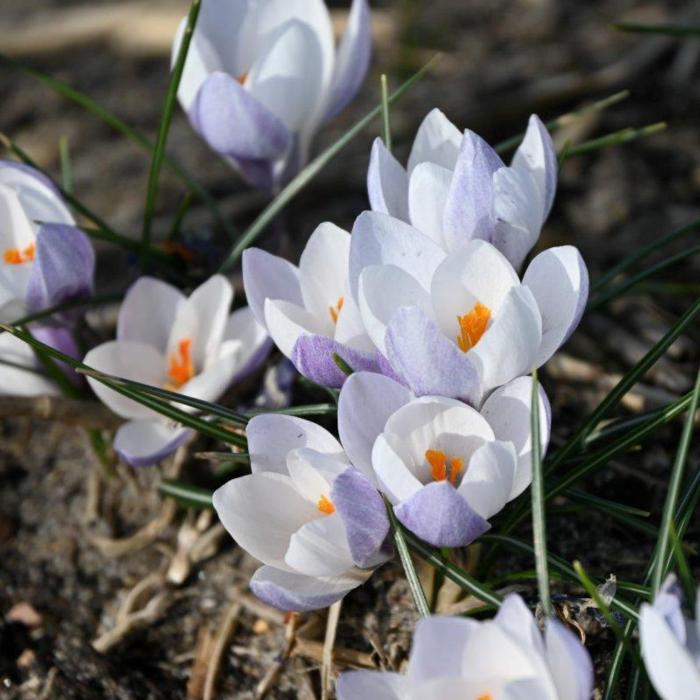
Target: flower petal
558,279
287,322
351,60
63,269
364,516
537,155
437,141
243,327
515,618
141,443
379,239
272,437
489,479
236,124
129,360
426,360
469,208
378,685
365,404
427,194
148,312
267,276
313,357
15,381
569,663
441,517
262,512
387,182
508,412
395,479
286,590
320,547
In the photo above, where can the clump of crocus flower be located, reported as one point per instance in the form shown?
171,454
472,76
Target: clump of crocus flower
462,659
191,345
262,77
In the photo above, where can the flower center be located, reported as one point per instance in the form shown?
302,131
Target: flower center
442,467
180,366
325,505
15,256
485,696
242,77
472,326
335,310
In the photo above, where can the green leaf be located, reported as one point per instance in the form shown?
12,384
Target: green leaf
186,494
616,138
342,365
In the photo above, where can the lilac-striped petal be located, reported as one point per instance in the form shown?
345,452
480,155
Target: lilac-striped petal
313,357
377,685
63,268
469,209
365,404
427,361
441,517
363,513
558,279
379,239
142,443
267,276
287,590
235,124
352,59
387,183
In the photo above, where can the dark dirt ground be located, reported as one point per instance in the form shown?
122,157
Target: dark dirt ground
61,525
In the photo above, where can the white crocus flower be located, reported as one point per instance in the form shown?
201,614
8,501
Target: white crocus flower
263,75
671,644
190,345
506,658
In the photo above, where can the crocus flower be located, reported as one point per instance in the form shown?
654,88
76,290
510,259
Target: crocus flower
308,310
506,658
670,644
315,522
262,77
444,466
44,260
461,324
456,187
186,345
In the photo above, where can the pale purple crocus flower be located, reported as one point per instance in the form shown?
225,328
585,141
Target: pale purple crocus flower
314,521
308,310
262,77
459,325
505,658
191,345
671,644
44,259
445,467
456,188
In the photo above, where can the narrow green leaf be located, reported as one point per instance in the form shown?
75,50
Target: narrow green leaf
186,494
164,129
385,112
313,409
342,365
66,167
616,138
684,573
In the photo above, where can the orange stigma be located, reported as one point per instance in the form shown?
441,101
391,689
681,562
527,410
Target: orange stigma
439,463
325,505
472,326
15,256
335,310
181,367
242,77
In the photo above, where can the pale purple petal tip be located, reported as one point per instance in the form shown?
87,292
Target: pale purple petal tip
441,517
143,443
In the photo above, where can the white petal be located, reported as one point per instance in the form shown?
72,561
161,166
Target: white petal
427,194
271,437
558,279
515,618
569,663
313,472
377,685
437,141
387,183
18,382
323,270
383,289
210,384
130,360
350,329
145,442
262,512
320,548
286,322
489,479
243,328
148,312
396,480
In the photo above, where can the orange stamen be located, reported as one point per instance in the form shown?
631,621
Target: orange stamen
325,505
15,256
181,367
242,77
439,463
335,310
472,326
485,696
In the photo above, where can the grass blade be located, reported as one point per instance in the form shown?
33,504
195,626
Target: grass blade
164,129
186,494
616,138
